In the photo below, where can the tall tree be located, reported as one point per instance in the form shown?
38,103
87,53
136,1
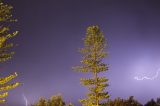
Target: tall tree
6,20
93,53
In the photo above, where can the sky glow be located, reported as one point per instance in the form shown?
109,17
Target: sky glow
25,99
148,78
51,32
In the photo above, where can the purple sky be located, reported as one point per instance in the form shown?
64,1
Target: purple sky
51,32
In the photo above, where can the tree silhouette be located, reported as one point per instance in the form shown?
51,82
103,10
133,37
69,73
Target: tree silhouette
122,102
152,102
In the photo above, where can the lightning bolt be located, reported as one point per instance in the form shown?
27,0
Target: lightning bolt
148,78
25,99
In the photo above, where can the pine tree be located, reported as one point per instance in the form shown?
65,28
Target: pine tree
5,45
93,53
6,20
4,86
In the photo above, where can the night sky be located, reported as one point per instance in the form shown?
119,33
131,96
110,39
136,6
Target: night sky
51,32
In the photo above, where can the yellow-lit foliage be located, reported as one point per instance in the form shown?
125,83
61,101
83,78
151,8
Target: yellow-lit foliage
2,101
55,100
6,19
7,79
4,95
92,55
5,32
5,87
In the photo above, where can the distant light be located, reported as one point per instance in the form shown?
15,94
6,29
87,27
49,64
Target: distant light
25,99
148,78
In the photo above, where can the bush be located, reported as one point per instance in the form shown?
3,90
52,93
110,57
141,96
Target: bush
53,101
152,102
121,102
